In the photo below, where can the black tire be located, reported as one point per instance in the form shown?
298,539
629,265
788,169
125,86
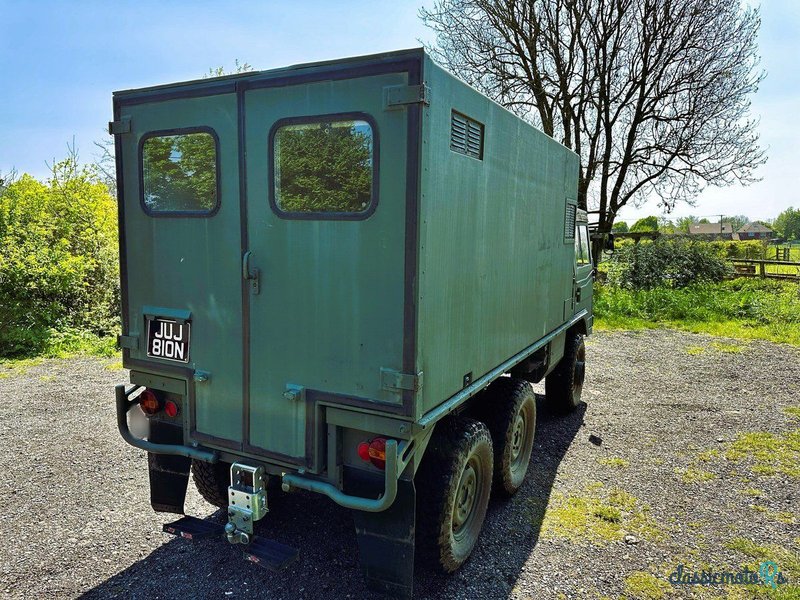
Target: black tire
563,387
453,484
212,481
510,409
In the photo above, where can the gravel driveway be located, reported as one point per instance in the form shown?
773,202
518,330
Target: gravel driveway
687,452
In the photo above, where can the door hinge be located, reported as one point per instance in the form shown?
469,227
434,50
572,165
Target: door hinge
121,126
398,96
392,380
131,342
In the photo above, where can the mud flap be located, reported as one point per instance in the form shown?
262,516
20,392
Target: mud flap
169,475
386,541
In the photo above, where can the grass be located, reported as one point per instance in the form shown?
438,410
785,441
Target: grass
598,516
645,586
63,344
740,308
769,453
694,475
613,461
793,411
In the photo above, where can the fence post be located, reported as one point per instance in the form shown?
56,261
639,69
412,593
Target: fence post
762,271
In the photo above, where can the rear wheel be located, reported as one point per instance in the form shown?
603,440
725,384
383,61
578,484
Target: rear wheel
510,406
453,482
563,387
212,481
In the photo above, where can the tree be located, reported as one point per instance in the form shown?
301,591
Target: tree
324,167
665,225
620,227
652,94
684,224
737,221
58,257
787,224
645,224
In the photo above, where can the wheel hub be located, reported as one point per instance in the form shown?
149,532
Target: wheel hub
465,499
517,437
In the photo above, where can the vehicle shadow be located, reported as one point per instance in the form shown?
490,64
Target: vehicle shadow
328,563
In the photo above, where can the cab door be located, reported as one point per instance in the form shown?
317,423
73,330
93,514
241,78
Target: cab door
181,253
584,269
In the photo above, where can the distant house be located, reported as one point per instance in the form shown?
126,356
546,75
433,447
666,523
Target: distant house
754,231
712,230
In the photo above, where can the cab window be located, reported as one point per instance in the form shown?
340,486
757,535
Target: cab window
324,168
582,252
179,173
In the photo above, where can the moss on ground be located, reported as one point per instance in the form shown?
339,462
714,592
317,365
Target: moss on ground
769,453
693,475
613,461
599,516
645,586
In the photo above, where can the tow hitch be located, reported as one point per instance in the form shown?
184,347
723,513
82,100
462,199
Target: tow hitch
247,502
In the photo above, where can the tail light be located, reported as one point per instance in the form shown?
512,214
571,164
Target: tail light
149,403
171,409
373,451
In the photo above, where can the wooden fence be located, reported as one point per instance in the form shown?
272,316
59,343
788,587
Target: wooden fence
766,269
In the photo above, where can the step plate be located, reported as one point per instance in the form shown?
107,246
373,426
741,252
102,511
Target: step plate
192,528
269,554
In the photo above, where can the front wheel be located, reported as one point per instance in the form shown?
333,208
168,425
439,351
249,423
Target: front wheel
453,482
564,386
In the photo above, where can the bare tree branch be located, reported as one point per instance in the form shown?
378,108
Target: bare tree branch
654,95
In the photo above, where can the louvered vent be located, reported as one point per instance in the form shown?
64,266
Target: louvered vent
569,222
466,136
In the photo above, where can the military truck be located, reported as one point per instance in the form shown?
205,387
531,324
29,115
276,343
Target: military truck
343,277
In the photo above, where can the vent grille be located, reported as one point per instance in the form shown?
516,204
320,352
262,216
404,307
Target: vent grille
466,136
569,222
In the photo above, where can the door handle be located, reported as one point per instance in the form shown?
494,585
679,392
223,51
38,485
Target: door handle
250,274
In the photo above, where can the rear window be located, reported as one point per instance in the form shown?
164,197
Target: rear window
180,173
324,167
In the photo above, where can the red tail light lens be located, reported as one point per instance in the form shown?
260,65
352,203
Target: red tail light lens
171,408
377,452
373,451
363,451
149,403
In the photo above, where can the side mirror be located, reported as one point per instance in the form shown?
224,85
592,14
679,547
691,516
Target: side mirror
609,243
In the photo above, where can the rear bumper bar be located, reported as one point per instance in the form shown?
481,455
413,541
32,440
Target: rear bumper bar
124,405
394,467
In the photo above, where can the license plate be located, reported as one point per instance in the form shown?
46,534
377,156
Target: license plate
168,339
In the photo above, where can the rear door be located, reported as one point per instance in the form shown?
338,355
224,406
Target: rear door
326,188
182,252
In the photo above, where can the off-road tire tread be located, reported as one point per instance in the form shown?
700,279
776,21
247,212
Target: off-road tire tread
452,441
212,481
504,397
558,384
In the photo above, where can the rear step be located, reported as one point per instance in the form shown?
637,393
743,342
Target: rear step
261,551
193,528
270,554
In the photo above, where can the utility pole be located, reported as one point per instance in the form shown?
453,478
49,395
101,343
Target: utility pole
720,226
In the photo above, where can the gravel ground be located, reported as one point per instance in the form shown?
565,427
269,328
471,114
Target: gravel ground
76,519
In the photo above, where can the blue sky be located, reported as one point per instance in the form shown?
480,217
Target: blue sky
60,61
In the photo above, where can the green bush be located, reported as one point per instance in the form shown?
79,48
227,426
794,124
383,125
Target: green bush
742,308
674,263
58,259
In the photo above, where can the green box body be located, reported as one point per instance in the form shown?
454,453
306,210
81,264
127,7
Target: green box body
463,266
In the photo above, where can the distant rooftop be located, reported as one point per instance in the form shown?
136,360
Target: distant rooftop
753,227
